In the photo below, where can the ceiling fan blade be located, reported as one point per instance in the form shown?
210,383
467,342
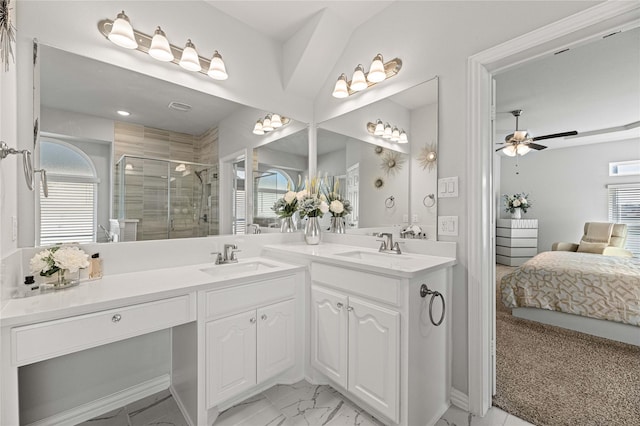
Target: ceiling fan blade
536,146
555,135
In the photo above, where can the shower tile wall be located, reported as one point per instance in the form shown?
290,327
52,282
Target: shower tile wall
146,190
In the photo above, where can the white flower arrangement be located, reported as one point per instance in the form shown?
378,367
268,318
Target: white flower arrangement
50,261
310,202
516,201
287,205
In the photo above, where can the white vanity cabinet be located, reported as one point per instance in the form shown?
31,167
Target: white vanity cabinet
247,348
372,338
356,344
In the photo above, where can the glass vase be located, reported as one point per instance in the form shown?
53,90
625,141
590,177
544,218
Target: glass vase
61,279
312,231
288,224
337,225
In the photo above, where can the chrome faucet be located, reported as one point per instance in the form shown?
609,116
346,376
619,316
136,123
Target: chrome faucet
387,244
230,251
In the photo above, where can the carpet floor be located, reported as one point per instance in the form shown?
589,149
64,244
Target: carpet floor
551,376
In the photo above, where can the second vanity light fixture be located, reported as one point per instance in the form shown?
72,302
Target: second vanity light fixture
378,71
387,131
121,33
271,121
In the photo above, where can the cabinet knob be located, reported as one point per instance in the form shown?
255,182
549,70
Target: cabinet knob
264,317
339,305
116,318
349,308
252,320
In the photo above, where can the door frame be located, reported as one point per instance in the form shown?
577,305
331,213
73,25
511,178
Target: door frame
579,28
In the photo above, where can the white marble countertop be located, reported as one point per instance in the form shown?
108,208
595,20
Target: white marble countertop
113,291
406,265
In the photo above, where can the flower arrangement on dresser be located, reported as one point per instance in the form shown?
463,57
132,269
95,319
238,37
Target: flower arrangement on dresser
58,261
516,203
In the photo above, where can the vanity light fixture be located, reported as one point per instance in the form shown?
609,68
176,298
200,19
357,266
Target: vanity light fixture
378,72
387,131
123,34
270,122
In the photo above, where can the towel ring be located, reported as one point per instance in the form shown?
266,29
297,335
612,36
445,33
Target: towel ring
432,201
27,162
390,202
424,292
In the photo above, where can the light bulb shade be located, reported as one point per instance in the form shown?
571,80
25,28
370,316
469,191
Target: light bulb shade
276,121
358,81
257,129
217,70
266,124
189,59
403,137
122,32
509,150
340,90
159,48
379,130
395,135
376,72
522,149
387,131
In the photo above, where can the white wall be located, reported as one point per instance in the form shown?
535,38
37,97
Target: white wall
568,186
333,163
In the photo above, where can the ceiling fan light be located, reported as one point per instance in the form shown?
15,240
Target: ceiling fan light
379,129
358,81
217,69
190,60
376,71
266,124
276,121
257,129
522,149
122,32
509,150
403,137
340,90
159,48
387,131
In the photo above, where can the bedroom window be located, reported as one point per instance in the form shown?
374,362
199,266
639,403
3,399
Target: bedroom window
624,207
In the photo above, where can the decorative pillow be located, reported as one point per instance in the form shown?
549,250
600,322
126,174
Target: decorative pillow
587,247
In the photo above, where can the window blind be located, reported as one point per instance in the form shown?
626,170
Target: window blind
68,214
624,207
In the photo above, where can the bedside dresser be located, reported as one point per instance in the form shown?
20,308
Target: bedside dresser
516,241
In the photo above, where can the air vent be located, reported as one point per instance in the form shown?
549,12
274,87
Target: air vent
179,106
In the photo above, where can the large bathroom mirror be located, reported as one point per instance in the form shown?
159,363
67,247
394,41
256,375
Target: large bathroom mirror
389,182
131,155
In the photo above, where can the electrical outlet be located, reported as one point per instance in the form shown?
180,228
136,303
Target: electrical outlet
448,225
405,218
14,228
414,218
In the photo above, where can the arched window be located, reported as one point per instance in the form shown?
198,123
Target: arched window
69,213
269,186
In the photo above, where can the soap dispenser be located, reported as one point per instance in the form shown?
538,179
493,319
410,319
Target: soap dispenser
30,288
95,267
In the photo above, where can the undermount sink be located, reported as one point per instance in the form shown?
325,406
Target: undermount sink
375,257
238,268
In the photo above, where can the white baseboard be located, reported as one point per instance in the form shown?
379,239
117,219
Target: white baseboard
460,399
181,406
108,403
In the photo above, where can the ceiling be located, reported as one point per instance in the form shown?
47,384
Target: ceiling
589,88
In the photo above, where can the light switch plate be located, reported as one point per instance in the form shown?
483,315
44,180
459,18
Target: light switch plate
448,187
448,225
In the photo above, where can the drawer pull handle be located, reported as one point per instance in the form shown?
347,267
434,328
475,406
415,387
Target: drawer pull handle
264,317
339,305
252,320
116,318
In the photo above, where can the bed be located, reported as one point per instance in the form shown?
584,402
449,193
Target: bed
586,292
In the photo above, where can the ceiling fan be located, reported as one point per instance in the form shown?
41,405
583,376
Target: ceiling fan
521,142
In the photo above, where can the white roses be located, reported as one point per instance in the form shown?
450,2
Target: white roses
50,261
336,207
290,196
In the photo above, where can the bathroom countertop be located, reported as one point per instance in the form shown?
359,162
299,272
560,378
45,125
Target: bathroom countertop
112,291
406,265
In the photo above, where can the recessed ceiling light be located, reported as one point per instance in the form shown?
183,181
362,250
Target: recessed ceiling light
123,113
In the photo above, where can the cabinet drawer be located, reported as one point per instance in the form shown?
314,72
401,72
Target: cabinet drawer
233,300
377,287
46,340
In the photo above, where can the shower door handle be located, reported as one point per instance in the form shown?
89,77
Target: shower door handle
171,224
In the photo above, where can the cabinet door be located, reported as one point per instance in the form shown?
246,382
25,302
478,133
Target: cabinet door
329,333
374,356
276,339
230,356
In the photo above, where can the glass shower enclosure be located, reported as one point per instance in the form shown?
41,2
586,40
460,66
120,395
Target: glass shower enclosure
163,199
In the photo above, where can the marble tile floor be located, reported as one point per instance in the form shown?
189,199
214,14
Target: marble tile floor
300,404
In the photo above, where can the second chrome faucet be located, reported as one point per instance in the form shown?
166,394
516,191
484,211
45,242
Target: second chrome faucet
228,255
387,245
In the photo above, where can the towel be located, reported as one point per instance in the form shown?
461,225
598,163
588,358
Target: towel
598,232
